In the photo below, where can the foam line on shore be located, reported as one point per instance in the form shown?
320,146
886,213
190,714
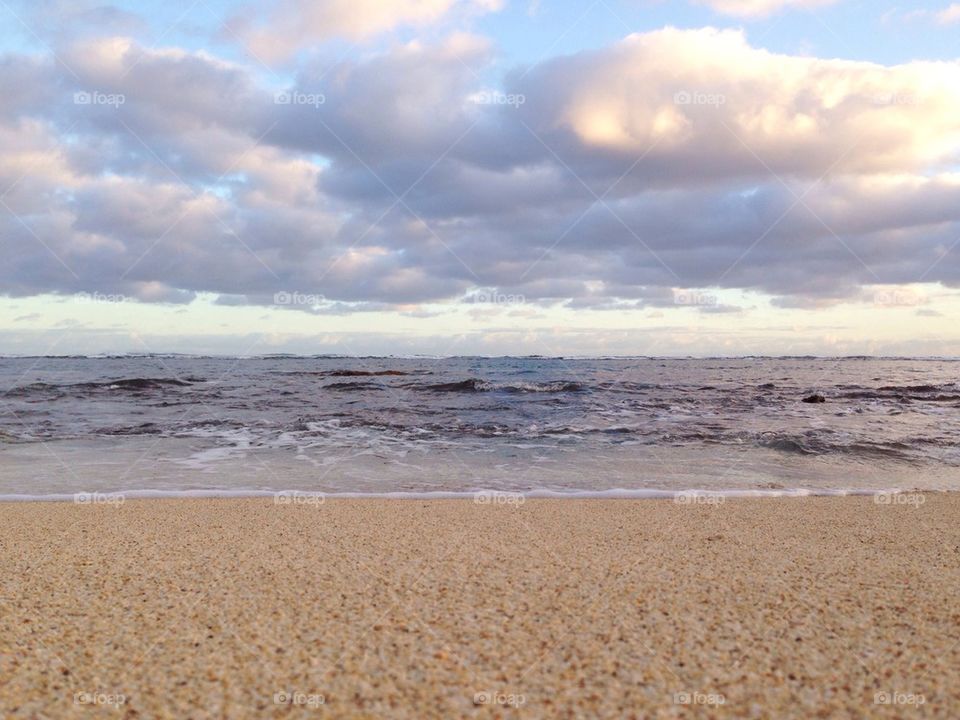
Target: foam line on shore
91,496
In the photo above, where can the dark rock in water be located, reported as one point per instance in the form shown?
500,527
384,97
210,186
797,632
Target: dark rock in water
817,398
767,386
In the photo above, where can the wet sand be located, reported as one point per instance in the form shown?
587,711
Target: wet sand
807,607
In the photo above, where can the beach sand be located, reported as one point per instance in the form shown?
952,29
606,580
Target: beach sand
806,607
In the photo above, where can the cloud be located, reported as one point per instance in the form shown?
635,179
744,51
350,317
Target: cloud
669,159
63,20
949,15
293,25
761,8
716,107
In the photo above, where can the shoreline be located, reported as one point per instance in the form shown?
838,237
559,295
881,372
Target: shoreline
449,608
507,496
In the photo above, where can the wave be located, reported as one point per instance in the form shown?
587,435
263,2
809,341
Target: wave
141,384
626,386
148,428
929,393
6,437
355,373
348,386
810,444
473,385
882,396
128,384
788,445
910,388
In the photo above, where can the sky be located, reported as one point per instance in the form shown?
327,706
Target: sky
480,177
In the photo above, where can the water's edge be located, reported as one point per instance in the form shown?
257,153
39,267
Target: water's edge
492,497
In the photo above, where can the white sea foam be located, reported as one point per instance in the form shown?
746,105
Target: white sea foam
613,494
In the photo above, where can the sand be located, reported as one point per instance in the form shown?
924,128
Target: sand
809,607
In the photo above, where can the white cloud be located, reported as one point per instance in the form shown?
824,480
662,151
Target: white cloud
694,95
949,15
761,8
296,24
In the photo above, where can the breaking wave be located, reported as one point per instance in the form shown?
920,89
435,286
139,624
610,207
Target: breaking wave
476,385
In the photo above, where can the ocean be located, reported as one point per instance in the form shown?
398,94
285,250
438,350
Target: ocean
169,425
